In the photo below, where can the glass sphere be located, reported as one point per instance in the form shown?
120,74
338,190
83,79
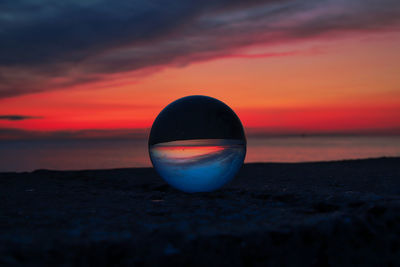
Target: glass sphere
197,144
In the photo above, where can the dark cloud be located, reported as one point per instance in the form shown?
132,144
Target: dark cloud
48,44
17,117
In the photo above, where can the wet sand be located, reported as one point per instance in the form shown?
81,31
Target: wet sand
299,214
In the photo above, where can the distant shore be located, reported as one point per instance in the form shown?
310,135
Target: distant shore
297,214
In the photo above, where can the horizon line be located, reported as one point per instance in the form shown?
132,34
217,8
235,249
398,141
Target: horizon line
14,134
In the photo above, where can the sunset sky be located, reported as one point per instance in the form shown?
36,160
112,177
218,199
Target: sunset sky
285,67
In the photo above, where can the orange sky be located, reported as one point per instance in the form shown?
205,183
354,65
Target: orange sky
349,84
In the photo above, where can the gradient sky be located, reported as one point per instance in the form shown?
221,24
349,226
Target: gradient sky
284,66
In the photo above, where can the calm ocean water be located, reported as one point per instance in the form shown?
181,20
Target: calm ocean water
101,154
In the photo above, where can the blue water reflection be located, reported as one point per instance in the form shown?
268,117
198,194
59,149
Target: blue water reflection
198,165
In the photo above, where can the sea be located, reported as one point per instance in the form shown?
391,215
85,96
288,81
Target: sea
23,156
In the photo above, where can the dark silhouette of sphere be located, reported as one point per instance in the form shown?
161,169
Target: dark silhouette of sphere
196,117
197,143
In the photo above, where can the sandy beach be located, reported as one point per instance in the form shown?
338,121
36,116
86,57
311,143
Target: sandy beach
297,214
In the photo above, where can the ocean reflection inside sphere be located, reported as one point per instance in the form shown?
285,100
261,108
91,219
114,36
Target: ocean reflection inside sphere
197,144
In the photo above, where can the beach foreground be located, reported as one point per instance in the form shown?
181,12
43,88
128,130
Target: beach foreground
337,213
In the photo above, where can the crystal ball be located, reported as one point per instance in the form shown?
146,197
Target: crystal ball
197,144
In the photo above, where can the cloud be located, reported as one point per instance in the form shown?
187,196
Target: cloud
17,117
47,44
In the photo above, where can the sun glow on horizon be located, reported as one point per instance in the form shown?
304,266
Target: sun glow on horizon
346,85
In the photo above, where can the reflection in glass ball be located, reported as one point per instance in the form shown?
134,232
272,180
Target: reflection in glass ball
197,144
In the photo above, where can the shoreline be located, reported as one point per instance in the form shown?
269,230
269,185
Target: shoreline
244,164
295,214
